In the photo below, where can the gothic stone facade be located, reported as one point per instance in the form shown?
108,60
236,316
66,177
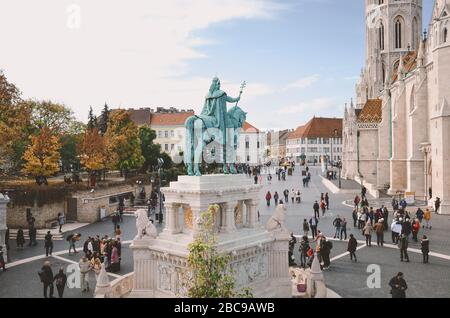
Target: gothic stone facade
396,136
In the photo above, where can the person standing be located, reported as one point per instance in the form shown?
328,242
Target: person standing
385,218
286,196
343,229
305,227
275,198
420,214
115,220
351,247
403,245
256,179
2,259
292,243
118,233
32,234
379,230
327,201
293,196
323,207
60,282
337,224
415,230
46,276
316,208
48,244
367,231
425,247
268,198
427,218
60,221
115,259
363,192
72,239
396,229
356,202
20,238
437,205
313,222
355,217
325,251
85,267
398,286
303,249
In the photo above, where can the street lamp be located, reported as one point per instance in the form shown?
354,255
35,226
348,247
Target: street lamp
340,167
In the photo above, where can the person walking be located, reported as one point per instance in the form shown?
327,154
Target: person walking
403,245
323,207
85,267
61,221
303,249
305,227
268,198
425,247
60,282
32,232
398,286
396,229
351,247
313,222
325,251
420,214
343,229
2,259
327,201
427,218
115,259
293,196
291,257
46,276
406,227
379,230
316,208
48,244
367,231
72,239
118,233
337,224
115,220
363,192
275,198
356,202
256,179
20,238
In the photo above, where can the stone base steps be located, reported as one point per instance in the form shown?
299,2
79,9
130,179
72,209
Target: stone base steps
40,235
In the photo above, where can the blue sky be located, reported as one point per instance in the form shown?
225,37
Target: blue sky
299,57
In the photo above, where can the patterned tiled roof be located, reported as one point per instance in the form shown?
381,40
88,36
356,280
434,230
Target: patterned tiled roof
319,128
371,112
410,64
249,128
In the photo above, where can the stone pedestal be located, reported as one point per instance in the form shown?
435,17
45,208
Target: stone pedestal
259,258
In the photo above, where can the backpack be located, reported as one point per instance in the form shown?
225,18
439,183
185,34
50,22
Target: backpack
329,245
69,238
41,275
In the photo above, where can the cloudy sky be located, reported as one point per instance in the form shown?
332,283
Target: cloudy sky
299,57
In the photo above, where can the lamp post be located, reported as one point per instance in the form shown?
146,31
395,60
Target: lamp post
340,167
149,212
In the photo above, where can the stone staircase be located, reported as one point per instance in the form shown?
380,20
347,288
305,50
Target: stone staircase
40,235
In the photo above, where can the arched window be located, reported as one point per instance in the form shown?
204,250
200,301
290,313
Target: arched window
444,35
381,36
383,68
398,32
415,34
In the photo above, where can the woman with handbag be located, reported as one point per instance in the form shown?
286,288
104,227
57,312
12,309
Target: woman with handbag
60,280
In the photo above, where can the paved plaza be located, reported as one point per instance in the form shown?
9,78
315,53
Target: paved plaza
344,277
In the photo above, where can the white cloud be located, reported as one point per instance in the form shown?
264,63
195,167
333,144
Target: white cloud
129,53
303,82
315,106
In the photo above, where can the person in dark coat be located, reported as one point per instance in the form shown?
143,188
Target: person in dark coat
327,201
20,239
398,286
425,246
325,250
48,243
275,198
46,275
403,245
352,245
32,234
316,208
268,198
60,280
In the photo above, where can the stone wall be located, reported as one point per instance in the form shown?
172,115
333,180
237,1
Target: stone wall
16,216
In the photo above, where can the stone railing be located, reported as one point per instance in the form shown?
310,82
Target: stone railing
120,287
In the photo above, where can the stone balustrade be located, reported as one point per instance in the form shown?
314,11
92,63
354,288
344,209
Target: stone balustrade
120,287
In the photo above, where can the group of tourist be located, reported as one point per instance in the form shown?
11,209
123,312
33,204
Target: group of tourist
296,197
307,253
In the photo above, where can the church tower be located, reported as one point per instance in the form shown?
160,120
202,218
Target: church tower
393,27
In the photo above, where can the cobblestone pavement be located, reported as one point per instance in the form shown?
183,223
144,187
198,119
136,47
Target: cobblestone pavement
346,278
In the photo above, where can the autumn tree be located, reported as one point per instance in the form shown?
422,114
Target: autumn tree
42,155
123,142
14,123
94,153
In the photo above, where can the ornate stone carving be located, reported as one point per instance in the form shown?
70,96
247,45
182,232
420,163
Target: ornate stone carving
145,228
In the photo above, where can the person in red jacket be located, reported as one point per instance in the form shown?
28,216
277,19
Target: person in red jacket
415,229
268,198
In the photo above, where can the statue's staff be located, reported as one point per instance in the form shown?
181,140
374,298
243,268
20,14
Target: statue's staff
243,85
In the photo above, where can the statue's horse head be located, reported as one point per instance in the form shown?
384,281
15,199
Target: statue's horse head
237,116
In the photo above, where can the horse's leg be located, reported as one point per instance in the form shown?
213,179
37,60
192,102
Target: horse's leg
198,148
188,156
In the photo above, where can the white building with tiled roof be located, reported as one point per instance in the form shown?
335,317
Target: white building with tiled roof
251,147
396,137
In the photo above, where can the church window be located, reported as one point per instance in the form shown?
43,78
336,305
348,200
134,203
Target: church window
398,32
381,36
415,34
444,35
412,105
